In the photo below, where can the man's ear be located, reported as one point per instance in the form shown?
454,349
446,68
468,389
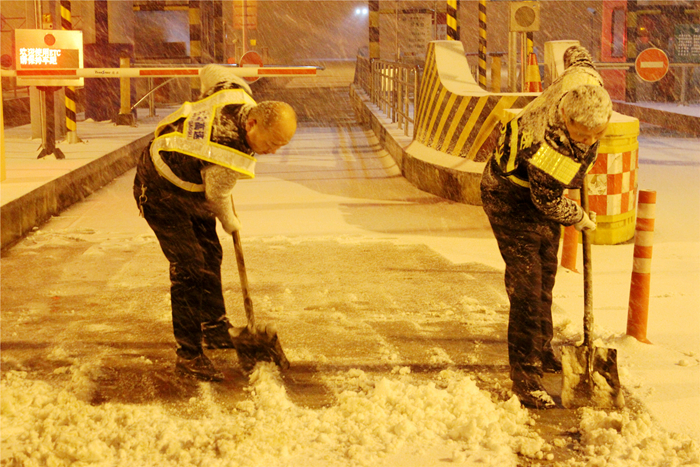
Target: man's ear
249,124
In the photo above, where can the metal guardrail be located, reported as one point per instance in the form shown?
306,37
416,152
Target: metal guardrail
682,71
391,86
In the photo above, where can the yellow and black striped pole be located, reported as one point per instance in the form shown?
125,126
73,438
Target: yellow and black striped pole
195,41
631,74
452,23
373,13
482,44
71,125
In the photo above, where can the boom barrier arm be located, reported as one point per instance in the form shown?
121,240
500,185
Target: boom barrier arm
243,71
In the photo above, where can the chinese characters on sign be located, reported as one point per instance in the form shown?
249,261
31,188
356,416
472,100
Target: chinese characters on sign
414,31
687,43
38,56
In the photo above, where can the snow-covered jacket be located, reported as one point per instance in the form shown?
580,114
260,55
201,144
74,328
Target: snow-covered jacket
199,152
535,161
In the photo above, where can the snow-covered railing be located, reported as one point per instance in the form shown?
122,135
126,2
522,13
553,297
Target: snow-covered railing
394,90
391,86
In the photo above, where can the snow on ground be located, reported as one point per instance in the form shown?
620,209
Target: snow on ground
383,420
692,109
373,419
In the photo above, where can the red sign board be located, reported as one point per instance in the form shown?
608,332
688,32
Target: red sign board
48,51
651,65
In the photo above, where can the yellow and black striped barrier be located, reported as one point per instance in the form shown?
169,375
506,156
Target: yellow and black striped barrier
456,116
70,94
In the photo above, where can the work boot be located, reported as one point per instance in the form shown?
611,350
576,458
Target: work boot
550,363
532,393
199,367
216,335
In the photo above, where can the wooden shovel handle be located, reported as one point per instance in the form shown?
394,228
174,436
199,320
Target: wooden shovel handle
247,301
587,275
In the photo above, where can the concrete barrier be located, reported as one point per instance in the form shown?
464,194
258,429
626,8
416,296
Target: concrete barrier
455,126
20,216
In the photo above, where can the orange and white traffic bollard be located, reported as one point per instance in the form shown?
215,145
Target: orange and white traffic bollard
638,311
569,247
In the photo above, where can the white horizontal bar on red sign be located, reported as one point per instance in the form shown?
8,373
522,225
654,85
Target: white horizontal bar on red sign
244,71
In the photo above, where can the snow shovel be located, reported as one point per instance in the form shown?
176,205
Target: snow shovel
254,343
590,373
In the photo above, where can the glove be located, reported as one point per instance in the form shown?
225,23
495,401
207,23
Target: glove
586,222
230,223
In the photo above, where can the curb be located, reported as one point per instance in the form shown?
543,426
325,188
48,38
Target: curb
20,216
441,174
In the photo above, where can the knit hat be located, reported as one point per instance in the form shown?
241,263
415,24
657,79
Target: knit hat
577,56
214,78
587,105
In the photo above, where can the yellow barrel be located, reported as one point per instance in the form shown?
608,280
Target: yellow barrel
613,180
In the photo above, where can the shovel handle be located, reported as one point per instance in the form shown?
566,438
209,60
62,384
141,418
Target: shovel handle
587,275
247,301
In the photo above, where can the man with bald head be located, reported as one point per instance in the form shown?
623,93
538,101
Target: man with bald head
184,182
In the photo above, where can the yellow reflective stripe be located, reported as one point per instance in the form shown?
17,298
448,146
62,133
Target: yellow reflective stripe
221,149
223,97
215,153
512,155
513,145
557,165
168,174
517,181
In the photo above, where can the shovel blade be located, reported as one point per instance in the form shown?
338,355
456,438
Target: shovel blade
590,378
259,345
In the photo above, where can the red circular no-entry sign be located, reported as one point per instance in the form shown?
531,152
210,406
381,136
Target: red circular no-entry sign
251,58
651,64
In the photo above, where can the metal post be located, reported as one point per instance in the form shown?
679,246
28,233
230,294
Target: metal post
3,173
49,142
151,100
125,116
195,23
684,80
496,72
523,60
512,60
244,12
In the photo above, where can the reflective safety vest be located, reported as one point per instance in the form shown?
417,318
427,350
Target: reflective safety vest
561,167
195,138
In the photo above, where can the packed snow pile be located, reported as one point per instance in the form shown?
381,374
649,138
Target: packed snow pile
628,439
374,417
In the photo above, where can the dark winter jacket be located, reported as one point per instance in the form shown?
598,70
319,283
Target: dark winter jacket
535,161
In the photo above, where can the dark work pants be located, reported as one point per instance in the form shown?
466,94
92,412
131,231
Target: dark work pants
530,254
192,246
